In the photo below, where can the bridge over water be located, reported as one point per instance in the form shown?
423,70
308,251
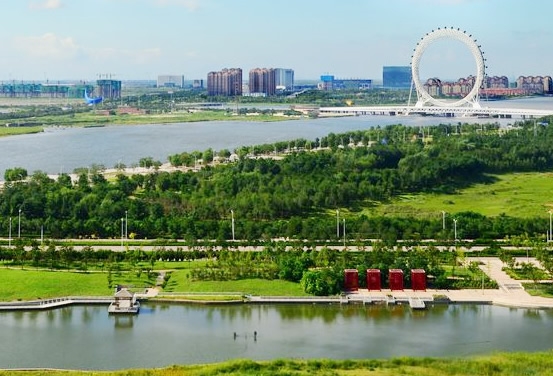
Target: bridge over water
438,111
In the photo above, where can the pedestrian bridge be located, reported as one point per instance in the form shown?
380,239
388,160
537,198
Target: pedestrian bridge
524,113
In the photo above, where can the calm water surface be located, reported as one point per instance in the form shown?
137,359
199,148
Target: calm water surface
85,337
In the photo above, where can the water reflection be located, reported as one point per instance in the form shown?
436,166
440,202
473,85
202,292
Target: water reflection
123,321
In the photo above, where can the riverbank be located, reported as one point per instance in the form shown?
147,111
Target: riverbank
100,118
507,364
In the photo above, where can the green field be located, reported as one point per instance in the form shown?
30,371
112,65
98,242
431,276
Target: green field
519,195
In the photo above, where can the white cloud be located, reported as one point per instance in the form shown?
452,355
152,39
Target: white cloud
45,4
47,46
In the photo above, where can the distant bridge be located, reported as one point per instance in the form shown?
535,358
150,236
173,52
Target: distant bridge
438,111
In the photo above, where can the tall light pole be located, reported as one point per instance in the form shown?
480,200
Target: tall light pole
455,228
337,223
443,220
232,223
19,224
344,222
10,234
126,224
122,220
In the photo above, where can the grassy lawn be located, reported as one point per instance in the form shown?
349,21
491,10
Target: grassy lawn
179,282
32,284
519,195
29,284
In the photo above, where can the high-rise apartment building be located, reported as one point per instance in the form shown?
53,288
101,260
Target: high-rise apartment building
394,77
263,81
284,79
227,82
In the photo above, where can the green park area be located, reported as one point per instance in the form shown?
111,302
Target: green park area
525,194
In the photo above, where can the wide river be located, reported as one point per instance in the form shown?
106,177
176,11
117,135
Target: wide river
86,337
63,150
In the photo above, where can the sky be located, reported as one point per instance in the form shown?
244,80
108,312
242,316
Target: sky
140,39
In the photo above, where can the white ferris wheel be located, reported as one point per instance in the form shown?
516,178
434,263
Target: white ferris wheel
424,98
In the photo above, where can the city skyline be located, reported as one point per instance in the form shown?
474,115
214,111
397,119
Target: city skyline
141,39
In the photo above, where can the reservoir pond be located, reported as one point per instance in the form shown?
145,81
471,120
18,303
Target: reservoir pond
86,337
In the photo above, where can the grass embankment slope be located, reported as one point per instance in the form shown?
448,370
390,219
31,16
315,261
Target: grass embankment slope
520,195
509,364
15,131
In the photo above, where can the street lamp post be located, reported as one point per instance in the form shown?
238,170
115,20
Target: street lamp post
232,223
19,224
455,229
337,224
10,234
122,220
126,225
443,220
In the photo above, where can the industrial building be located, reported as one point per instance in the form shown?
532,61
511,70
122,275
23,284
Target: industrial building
108,89
170,81
227,82
329,82
396,77
284,79
38,90
198,84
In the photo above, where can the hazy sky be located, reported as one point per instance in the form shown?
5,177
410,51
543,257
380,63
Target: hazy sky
140,39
